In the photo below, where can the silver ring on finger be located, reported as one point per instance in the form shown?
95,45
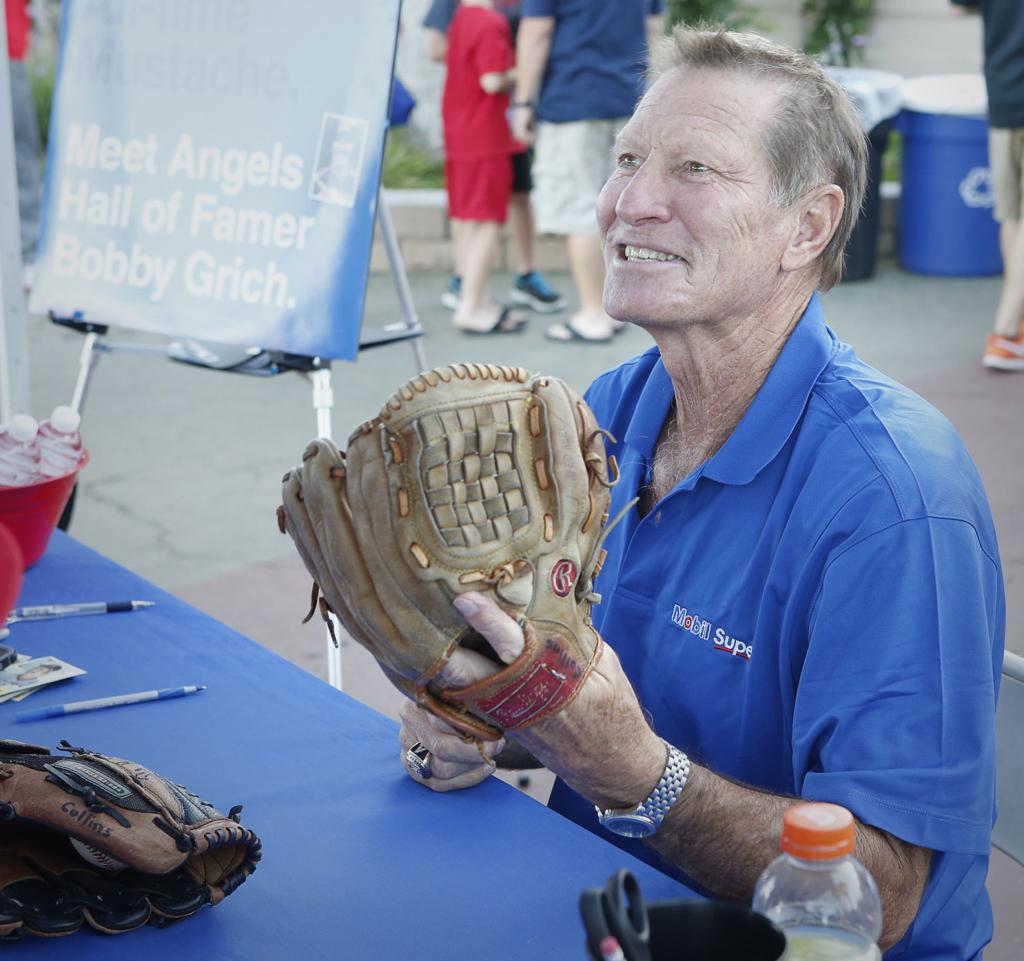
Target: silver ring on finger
417,760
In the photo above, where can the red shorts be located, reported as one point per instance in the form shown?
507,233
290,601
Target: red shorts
479,189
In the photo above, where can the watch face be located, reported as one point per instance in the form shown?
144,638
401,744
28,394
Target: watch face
629,825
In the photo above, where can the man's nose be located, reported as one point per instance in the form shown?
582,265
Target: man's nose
644,197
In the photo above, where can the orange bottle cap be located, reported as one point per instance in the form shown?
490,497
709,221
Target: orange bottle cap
817,831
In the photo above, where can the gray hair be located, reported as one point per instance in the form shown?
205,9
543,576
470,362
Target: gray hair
815,137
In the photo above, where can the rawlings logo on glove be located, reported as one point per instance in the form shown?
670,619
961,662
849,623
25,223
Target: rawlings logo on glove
473,477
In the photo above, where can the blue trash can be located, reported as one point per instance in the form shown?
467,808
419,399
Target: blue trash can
946,223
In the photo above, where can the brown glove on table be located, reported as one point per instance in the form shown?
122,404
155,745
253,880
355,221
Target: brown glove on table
94,838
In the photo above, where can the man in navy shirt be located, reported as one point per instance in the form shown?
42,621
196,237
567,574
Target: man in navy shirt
808,601
580,66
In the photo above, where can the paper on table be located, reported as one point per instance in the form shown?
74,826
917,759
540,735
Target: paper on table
30,674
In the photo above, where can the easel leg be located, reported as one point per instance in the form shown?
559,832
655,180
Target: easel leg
86,364
323,402
387,231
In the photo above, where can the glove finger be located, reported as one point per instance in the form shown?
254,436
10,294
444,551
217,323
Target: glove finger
353,597
300,527
501,631
442,740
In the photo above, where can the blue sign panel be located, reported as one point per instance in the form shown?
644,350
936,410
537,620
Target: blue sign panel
213,168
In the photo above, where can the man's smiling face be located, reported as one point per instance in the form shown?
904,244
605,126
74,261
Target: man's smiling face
689,233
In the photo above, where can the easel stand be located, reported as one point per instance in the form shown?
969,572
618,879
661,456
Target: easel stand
263,363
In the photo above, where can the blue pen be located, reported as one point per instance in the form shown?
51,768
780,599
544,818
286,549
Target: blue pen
101,702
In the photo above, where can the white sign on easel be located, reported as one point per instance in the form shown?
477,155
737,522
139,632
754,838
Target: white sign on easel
213,169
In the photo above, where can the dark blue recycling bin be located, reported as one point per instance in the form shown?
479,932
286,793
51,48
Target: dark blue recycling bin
946,223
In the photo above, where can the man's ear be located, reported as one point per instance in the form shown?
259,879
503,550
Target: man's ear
817,219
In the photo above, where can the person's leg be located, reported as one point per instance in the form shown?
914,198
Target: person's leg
483,188
530,287
1004,348
586,260
450,297
573,162
520,220
479,248
1010,311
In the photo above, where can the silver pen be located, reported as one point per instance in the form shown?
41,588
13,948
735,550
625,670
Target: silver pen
43,612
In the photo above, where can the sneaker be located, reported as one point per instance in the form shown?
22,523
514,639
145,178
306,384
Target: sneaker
1004,353
452,297
535,292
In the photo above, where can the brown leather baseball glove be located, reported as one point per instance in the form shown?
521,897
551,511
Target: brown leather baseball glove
94,838
473,477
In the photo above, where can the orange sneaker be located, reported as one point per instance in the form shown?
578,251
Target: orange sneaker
1004,353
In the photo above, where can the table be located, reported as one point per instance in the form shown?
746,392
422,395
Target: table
359,861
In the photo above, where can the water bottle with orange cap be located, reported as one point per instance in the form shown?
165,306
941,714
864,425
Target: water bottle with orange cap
817,892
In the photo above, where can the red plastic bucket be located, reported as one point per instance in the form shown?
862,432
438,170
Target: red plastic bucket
31,513
11,567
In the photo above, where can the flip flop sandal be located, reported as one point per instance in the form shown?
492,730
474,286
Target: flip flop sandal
496,328
565,333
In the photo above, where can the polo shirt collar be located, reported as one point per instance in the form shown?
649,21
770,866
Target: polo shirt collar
769,420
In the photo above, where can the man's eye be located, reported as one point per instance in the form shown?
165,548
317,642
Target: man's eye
696,167
628,161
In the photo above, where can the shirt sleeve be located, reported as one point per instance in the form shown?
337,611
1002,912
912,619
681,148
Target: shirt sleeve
439,16
492,49
538,8
895,708
655,7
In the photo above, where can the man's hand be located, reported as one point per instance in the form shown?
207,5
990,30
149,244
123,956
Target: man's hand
522,124
599,743
455,761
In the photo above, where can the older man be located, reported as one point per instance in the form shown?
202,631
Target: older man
808,601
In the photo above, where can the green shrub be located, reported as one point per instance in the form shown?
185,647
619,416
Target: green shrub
409,166
735,14
41,76
837,29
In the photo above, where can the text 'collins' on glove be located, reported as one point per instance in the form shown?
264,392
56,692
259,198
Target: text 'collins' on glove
94,838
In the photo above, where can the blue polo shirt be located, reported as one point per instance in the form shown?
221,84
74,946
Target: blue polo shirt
598,57
818,610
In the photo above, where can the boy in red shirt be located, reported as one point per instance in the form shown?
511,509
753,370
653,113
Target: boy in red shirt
478,144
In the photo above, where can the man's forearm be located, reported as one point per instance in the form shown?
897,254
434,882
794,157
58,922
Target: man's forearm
532,49
723,834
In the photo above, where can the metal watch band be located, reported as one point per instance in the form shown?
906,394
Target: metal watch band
657,804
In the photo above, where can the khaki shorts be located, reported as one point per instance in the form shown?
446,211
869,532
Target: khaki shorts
571,163
1006,158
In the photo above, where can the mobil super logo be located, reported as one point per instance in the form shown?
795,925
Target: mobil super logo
721,640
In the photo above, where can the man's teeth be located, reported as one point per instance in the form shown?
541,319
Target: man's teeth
643,253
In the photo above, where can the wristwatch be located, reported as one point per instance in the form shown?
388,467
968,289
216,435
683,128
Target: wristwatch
524,103
642,820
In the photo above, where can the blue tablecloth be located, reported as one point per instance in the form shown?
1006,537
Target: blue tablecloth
359,861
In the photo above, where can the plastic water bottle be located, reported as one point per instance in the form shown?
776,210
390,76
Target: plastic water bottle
817,892
19,458
59,443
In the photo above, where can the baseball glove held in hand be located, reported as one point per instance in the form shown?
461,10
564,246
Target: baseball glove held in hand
473,477
98,839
